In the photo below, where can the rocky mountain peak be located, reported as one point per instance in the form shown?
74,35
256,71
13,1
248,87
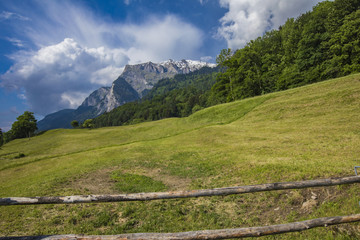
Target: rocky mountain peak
143,76
128,87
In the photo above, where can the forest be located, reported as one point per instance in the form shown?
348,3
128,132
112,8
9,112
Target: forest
318,45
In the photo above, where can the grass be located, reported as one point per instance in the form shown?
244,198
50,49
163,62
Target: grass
303,133
134,183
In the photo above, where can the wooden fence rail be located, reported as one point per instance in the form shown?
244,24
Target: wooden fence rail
179,194
209,234
204,234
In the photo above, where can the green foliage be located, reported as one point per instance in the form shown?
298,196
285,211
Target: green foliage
8,136
75,124
88,123
25,126
224,56
345,47
318,45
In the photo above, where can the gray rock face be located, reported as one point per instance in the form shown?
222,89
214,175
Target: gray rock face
96,98
134,80
128,87
106,99
146,75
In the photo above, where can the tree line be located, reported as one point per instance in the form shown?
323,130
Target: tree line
318,45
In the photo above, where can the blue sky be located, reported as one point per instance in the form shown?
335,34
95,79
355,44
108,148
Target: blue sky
54,53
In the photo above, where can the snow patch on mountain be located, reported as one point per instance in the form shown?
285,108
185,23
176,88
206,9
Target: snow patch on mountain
187,66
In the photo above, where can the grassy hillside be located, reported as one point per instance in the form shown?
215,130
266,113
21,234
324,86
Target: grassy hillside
303,133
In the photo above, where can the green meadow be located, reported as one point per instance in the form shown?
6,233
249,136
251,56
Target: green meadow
300,134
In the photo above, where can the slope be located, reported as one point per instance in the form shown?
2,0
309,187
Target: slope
303,133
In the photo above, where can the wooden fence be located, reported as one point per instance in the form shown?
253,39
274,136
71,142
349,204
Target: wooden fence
205,234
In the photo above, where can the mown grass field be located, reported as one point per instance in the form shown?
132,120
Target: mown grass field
300,134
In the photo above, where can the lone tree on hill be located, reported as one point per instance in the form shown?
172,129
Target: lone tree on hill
75,124
25,126
88,124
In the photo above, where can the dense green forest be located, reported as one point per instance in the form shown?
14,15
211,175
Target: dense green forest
318,45
170,97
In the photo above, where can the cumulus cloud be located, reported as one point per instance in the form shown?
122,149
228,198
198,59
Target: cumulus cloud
249,19
62,75
162,38
77,52
155,37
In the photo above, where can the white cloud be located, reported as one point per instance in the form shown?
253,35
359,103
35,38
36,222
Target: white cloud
249,19
21,96
16,42
157,37
62,75
162,38
5,15
206,58
73,98
77,52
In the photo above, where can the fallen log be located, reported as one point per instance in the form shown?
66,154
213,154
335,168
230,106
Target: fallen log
209,234
179,194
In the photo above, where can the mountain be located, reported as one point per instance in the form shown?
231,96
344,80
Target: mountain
144,76
131,85
107,98
56,119
96,97
178,96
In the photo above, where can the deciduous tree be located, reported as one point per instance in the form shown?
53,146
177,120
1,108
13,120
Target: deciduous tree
25,126
75,124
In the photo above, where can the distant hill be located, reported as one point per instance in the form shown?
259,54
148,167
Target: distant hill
131,85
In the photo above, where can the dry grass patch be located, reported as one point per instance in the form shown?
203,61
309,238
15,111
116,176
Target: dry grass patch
101,182
96,182
172,182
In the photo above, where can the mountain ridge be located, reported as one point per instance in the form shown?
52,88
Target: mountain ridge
131,85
